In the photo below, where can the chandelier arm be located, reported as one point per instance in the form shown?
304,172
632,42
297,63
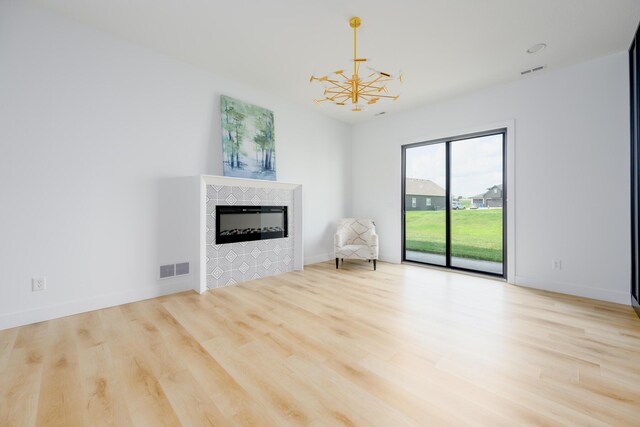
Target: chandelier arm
338,90
339,84
371,85
335,82
373,90
388,96
374,81
339,95
384,79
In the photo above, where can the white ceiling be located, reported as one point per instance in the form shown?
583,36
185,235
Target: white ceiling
443,47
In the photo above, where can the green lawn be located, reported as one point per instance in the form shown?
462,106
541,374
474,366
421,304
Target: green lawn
475,233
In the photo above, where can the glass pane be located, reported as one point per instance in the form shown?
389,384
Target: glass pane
424,203
476,203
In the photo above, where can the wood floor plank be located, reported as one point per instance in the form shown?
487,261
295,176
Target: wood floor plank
147,403
20,381
402,345
190,402
7,341
60,393
231,399
282,406
102,398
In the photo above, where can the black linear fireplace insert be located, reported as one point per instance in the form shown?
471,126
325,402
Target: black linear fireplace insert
246,223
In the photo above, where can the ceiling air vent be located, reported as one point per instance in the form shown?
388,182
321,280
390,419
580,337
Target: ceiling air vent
532,70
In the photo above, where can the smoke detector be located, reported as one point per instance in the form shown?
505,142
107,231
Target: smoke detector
536,48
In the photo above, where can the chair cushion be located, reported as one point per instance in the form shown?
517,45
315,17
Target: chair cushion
356,230
355,252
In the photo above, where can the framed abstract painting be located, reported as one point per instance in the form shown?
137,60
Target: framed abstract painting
248,140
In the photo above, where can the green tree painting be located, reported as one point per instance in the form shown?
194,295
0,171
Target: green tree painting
248,140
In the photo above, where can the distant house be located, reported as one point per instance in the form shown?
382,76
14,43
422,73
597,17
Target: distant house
423,195
492,198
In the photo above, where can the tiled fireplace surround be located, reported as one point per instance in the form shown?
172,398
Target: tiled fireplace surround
231,263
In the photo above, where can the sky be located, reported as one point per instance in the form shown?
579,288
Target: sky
476,164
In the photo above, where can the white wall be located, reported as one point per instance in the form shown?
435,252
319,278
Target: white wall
571,172
92,130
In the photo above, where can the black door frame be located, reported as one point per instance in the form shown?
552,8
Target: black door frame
447,142
634,101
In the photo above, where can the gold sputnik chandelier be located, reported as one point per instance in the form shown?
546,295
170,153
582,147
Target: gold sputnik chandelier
340,89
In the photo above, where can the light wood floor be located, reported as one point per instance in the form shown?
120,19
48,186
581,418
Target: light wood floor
400,346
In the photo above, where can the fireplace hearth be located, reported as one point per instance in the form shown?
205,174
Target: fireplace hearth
248,223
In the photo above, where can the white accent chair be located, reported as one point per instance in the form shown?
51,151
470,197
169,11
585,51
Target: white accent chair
356,238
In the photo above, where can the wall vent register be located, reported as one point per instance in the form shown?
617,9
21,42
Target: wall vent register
248,223
172,270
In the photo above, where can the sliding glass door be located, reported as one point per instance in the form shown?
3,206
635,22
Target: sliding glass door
425,204
454,202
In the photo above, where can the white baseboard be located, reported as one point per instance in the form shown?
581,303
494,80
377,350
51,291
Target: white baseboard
581,291
27,317
391,259
328,257
314,259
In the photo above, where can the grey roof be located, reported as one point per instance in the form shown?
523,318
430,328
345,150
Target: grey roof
422,187
484,195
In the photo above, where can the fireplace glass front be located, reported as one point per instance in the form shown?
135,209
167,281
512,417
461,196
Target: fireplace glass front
246,223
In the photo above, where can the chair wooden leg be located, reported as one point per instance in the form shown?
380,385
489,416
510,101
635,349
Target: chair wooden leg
337,259
369,261
374,265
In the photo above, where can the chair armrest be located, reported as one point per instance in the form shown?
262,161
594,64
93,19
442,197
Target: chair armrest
338,240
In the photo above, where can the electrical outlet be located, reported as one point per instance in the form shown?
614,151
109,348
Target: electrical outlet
556,264
38,284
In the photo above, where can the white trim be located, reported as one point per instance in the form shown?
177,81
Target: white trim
246,182
20,318
298,229
201,285
391,259
571,289
510,125
511,200
315,259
